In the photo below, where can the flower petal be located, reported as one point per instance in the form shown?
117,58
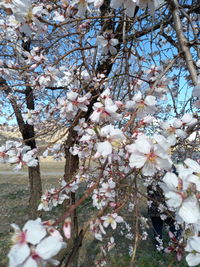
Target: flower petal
193,259
35,231
49,247
30,263
137,160
189,210
18,254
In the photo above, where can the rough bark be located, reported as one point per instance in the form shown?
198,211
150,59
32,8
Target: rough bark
28,134
71,166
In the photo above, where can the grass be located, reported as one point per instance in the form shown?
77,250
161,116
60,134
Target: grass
14,196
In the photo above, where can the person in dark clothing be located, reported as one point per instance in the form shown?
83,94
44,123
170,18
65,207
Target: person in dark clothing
159,212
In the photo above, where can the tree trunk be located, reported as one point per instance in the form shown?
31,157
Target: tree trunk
35,190
28,135
35,183
71,166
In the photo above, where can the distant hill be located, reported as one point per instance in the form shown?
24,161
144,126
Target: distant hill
9,132
12,133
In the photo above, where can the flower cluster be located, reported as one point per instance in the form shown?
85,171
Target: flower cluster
56,151
178,127
108,43
33,246
16,153
97,226
142,106
105,109
149,156
104,195
55,197
25,15
69,106
182,195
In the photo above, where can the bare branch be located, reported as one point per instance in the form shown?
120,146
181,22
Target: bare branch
184,44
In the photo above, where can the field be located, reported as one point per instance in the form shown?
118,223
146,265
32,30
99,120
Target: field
14,209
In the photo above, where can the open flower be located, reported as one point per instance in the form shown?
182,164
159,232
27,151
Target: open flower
108,43
193,246
31,246
105,109
143,106
148,156
97,228
114,140
112,220
180,196
33,232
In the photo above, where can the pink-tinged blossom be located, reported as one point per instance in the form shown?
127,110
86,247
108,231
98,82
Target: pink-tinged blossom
98,3
27,15
105,109
32,116
108,43
32,246
114,139
163,142
178,127
18,154
68,106
99,199
148,156
186,120
52,198
143,106
67,227
106,248
52,231
104,195
191,173
97,228
113,135
179,196
172,130
192,165
43,252
112,220
58,17
33,232
130,5
108,189
104,149
173,188
189,210
81,126
55,197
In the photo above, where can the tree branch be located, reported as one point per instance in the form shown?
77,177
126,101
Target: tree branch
184,44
